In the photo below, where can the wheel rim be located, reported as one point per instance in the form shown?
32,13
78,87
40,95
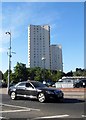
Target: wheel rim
41,97
13,95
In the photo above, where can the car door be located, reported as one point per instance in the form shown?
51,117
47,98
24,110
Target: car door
30,91
20,89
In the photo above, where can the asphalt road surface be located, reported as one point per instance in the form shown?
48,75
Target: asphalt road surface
33,110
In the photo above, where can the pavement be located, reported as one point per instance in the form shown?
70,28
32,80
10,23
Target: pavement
3,91
77,93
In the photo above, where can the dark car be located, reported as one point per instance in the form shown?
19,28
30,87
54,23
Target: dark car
80,83
34,89
3,84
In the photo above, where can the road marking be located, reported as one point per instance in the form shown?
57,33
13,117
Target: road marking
13,106
20,107
10,111
83,115
57,116
1,117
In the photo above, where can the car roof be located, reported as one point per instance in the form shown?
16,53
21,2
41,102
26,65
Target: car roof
28,81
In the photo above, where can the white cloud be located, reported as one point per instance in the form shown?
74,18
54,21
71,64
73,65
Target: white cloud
16,19
11,22
2,50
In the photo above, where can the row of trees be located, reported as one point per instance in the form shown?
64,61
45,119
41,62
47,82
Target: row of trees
21,73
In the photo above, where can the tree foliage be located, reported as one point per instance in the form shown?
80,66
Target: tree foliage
79,72
5,75
21,73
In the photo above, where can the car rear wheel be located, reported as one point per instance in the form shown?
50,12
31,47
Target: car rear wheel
41,97
13,95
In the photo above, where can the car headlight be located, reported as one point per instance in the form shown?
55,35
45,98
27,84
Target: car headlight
49,92
58,92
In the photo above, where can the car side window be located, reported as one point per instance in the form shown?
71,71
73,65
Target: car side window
21,85
29,85
69,81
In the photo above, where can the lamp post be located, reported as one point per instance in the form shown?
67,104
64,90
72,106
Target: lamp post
43,59
9,59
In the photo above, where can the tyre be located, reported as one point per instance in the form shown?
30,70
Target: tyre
13,95
41,97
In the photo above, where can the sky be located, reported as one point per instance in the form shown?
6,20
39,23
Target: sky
43,0
66,20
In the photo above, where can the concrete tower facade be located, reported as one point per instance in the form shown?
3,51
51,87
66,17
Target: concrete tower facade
39,46
56,57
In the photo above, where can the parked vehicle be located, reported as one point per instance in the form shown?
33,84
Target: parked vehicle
49,83
35,89
3,84
65,83
80,83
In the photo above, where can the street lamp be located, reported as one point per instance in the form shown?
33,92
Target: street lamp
43,59
9,59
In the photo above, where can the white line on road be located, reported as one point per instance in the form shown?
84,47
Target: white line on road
12,106
57,116
2,117
20,107
83,115
10,111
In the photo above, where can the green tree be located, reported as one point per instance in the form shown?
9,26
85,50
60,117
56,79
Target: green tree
84,73
60,74
48,75
31,73
6,75
79,72
20,72
70,74
38,73
56,75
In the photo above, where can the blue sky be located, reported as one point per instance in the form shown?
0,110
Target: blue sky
66,20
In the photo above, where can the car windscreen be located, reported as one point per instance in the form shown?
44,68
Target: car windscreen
38,84
84,81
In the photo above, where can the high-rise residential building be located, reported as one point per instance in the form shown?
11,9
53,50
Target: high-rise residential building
56,62
39,46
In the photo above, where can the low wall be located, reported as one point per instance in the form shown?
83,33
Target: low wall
73,89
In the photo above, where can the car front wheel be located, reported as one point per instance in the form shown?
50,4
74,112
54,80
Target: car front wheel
41,97
13,95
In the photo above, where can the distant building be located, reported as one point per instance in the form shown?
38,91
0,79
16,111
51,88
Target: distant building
38,46
56,62
40,52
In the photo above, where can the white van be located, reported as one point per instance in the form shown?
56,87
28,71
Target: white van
65,83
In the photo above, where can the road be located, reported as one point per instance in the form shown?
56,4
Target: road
33,110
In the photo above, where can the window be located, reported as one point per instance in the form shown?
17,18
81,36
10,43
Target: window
28,85
21,85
